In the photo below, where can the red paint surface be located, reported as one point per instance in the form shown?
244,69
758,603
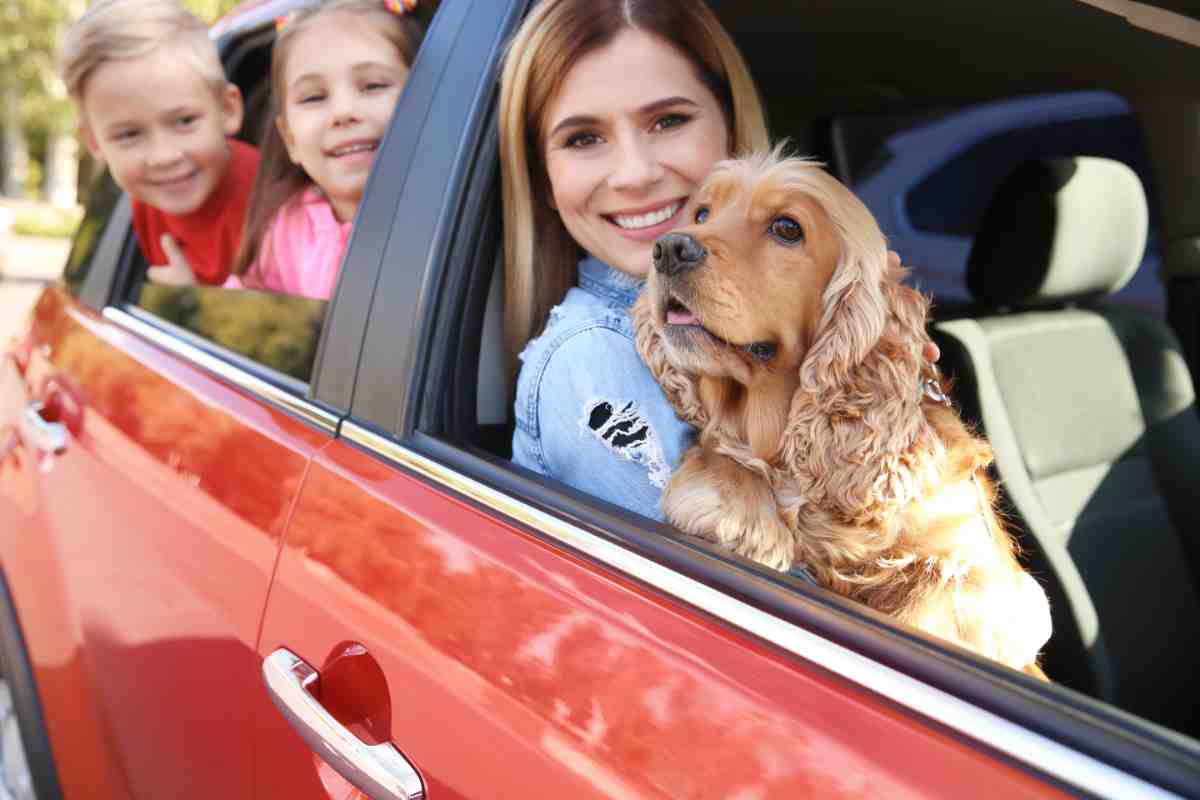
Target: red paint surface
140,558
516,669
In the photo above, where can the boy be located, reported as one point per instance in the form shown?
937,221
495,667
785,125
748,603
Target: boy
154,105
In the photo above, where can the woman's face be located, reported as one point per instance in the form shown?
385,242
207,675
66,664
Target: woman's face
629,136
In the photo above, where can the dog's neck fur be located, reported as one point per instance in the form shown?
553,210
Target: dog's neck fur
756,415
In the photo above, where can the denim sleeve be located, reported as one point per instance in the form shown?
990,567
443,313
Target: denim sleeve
595,419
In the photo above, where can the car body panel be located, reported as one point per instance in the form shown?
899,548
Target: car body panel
514,665
157,529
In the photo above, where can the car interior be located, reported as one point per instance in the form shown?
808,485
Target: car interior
1086,393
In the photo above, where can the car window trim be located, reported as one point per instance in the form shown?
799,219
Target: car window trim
278,390
1051,758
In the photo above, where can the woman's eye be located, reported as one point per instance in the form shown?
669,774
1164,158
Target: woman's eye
762,351
374,86
582,140
314,97
786,230
670,121
125,136
701,215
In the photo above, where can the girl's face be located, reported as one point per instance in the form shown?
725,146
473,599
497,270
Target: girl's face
629,136
340,84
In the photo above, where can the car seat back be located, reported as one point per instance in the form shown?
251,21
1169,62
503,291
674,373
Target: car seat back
1091,413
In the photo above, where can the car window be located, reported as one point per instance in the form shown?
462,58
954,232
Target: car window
273,319
102,199
929,178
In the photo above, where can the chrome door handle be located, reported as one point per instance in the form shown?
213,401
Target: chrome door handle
49,437
379,770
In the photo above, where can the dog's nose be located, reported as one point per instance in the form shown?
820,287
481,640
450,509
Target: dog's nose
676,253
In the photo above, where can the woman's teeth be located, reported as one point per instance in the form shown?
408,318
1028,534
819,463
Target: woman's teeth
635,222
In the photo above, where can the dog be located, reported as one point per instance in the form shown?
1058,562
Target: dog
777,327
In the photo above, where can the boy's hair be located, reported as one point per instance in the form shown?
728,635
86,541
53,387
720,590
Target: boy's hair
113,30
279,181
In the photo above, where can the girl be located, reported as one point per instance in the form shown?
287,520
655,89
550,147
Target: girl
336,73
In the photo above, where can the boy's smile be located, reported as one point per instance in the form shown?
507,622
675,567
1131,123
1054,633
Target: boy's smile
161,129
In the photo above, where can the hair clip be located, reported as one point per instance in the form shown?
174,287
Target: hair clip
282,21
399,7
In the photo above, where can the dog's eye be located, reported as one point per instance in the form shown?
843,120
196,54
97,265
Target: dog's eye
786,230
763,351
701,215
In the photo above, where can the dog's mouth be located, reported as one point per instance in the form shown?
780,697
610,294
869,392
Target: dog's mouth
681,319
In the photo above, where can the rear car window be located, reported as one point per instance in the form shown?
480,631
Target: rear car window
929,178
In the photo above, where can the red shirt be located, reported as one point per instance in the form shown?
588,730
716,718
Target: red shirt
211,234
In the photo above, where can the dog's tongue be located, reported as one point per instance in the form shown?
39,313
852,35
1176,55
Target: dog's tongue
681,318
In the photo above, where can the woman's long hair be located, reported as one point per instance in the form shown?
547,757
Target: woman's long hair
539,254
279,180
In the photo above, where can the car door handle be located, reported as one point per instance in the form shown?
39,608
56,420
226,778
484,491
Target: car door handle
47,436
379,770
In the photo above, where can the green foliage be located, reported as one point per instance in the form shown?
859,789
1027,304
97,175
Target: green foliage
47,221
278,330
210,10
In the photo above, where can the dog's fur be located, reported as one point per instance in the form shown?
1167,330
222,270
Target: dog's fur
829,454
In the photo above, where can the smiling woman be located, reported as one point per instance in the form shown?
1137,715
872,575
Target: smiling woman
610,118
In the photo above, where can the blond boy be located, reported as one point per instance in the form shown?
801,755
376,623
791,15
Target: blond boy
155,107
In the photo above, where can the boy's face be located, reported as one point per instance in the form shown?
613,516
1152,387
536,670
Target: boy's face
160,128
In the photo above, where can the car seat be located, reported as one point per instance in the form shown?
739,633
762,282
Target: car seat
1089,407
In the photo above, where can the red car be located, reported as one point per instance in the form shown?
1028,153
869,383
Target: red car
260,546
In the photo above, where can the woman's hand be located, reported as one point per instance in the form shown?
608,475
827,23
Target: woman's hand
931,352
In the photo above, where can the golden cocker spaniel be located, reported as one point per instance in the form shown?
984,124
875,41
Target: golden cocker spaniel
776,326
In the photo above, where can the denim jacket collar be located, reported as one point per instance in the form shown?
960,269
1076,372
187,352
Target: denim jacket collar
608,282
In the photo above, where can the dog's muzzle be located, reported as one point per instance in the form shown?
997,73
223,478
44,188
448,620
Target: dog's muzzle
676,253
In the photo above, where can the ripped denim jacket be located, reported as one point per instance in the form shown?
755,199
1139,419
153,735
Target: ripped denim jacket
588,412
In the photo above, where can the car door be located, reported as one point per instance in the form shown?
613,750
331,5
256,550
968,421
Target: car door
155,472
441,623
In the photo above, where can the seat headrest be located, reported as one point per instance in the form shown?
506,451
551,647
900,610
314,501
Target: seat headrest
1059,229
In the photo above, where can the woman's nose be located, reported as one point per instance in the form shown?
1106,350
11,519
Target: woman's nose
637,167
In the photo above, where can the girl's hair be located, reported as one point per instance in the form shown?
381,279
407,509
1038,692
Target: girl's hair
280,181
114,30
539,254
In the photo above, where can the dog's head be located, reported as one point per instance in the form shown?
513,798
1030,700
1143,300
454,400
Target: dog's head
775,314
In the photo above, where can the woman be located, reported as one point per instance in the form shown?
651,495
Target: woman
611,114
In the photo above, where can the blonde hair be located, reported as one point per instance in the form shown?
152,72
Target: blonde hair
279,181
539,254
112,30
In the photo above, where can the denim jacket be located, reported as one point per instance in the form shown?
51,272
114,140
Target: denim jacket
588,411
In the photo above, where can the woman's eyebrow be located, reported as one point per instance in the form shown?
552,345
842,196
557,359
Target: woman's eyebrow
579,120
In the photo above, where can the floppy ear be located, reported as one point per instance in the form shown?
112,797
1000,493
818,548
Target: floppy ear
681,389
855,421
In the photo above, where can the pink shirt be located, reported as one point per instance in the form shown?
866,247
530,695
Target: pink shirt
301,251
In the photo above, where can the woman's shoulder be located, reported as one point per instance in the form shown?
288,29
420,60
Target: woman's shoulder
582,327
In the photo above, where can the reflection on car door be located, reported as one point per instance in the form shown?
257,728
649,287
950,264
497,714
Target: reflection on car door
502,665
161,516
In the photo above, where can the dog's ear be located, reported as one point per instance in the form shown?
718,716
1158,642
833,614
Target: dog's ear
855,418
681,389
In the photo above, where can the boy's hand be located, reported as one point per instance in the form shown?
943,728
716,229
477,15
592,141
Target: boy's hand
177,271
